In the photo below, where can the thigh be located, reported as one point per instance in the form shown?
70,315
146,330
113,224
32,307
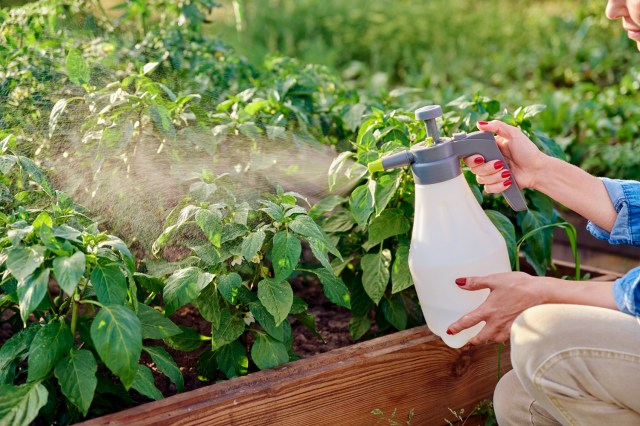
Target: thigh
577,357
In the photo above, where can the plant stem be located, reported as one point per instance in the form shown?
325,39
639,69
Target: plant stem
74,313
150,298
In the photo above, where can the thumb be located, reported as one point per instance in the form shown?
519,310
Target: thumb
498,127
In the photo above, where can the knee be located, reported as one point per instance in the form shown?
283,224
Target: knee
534,335
508,403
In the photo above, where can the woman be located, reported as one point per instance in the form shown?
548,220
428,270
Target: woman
575,347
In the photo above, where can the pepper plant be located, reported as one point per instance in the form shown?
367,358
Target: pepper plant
239,257
69,292
372,226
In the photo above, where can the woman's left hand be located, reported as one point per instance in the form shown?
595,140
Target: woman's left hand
511,293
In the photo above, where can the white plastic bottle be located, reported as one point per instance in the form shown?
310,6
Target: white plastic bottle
452,238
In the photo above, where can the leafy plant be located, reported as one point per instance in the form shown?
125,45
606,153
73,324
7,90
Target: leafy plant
373,225
391,420
240,257
69,293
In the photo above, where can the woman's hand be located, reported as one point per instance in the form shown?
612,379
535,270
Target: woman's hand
511,293
525,160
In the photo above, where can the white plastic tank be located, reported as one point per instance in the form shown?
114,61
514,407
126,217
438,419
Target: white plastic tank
452,238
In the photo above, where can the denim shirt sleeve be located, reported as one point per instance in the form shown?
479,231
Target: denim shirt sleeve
626,292
625,196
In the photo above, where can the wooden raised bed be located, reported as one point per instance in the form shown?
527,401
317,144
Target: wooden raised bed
404,371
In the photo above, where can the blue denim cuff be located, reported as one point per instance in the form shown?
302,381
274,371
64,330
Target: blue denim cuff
625,196
626,292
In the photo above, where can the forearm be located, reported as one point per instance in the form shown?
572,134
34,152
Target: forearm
589,293
578,190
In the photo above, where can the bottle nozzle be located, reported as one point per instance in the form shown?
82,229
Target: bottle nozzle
400,159
375,166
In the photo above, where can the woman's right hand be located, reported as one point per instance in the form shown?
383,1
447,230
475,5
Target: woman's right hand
525,160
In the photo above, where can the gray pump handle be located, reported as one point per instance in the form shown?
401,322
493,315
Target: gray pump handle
483,143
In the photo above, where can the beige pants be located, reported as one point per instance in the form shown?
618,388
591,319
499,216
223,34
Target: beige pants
572,365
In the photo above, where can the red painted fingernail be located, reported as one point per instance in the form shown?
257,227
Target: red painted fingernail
461,281
498,165
482,123
478,160
449,332
507,182
505,174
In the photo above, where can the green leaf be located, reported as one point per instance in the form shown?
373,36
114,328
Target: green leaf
7,162
207,366
50,344
68,270
285,254
54,116
548,145
165,363
42,219
109,283
31,291
334,288
211,224
325,206
391,222
358,326
22,261
184,286
361,204
149,282
76,374
341,221
154,324
375,275
251,244
14,350
228,286
77,69
232,359
386,187
19,405
400,273
162,120
208,304
274,211
320,251
394,312
143,383
35,173
507,230
119,245
231,327
188,340
281,332
305,226
268,353
277,297
117,335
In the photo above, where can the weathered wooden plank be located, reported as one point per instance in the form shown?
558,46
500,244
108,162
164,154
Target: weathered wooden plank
407,370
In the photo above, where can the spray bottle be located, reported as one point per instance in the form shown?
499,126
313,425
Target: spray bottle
452,236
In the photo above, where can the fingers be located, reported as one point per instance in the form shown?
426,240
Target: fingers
473,283
498,127
492,174
490,335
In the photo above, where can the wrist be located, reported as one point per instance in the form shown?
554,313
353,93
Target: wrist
541,165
